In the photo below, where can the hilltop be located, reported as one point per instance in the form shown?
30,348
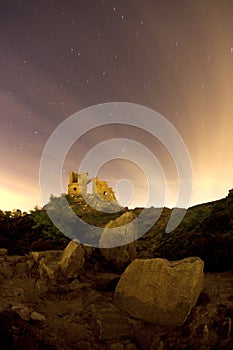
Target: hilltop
206,231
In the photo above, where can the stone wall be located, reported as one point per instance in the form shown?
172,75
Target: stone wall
102,189
78,186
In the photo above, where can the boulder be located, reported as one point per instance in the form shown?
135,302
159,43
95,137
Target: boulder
72,260
118,240
48,265
57,266
160,291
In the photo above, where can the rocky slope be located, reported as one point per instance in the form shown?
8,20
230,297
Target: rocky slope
48,302
56,295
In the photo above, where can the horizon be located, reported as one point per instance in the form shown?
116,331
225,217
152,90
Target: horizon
28,209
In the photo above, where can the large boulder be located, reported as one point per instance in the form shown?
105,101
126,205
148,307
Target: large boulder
160,291
48,265
57,266
72,260
118,240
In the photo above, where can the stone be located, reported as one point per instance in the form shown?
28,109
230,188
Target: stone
49,266
5,270
72,260
23,311
58,266
160,291
37,316
148,340
88,251
21,268
108,322
118,240
26,313
3,251
48,255
14,259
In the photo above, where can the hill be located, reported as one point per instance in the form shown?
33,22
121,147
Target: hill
206,231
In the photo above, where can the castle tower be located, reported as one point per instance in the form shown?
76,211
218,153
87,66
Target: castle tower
78,184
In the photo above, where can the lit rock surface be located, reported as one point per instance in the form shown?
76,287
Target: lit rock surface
160,291
72,260
118,246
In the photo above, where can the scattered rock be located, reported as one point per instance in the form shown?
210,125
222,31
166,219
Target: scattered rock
23,311
26,313
117,242
159,291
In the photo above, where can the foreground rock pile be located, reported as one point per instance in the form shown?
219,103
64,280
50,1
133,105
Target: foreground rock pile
65,300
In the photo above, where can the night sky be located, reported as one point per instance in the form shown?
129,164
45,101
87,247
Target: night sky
58,57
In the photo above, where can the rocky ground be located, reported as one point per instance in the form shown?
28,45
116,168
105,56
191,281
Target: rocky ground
46,304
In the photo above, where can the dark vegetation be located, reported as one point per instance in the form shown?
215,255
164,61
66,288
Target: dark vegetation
206,231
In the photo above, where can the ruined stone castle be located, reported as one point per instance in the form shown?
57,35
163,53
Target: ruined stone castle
78,184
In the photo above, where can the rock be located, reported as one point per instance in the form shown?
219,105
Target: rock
5,270
148,340
37,316
3,252
119,247
57,266
26,313
159,291
49,266
108,322
48,255
88,251
21,268
15,259
72,260
23,311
